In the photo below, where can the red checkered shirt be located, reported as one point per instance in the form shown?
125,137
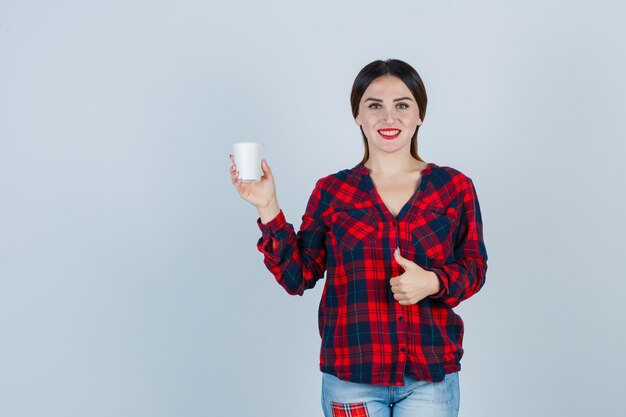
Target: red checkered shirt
349,233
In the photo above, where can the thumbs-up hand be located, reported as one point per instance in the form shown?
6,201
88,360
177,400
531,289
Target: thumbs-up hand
414,284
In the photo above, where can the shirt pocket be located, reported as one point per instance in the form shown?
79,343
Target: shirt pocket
354,227
433,228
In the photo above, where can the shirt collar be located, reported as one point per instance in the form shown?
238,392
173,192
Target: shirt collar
362,169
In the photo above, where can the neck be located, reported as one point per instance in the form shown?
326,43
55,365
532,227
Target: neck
389,165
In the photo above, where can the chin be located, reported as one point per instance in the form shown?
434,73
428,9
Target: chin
392,145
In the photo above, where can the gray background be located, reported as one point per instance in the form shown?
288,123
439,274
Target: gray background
130,283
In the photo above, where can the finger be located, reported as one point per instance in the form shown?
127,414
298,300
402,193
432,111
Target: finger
233,174
403,262
397,289
267,171
232,158
237,181
399,259
400,297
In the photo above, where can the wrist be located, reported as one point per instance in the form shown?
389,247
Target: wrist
436,284
268,212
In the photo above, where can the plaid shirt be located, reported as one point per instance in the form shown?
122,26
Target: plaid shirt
347,231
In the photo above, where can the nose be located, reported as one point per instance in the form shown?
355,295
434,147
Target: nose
390,116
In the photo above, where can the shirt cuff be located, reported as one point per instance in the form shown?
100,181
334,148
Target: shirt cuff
272,233
274,225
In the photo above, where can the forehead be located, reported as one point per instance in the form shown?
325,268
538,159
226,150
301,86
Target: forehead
387,86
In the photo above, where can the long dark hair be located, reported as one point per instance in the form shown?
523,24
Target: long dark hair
399,69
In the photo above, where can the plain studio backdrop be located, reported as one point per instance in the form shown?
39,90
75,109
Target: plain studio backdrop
130,282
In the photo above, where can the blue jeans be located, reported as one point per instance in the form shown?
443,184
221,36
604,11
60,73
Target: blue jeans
415,398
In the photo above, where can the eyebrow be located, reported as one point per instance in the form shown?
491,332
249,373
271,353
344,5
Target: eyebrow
394,100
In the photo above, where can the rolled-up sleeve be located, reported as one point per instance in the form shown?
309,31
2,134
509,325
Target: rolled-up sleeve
465,276
297,260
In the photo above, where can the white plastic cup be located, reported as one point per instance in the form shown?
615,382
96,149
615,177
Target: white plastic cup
248,160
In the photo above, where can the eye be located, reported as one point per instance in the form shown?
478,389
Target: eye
403,106
372,106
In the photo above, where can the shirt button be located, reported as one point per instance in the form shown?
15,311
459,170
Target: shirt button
400,318
403,349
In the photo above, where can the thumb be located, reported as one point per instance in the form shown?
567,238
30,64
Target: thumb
267,171
403,262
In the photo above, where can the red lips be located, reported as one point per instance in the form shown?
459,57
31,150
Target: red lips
384,133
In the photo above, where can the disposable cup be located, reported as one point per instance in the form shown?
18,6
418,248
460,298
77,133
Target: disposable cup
248,160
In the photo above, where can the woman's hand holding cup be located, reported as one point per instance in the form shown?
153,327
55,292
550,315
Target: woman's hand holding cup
261,194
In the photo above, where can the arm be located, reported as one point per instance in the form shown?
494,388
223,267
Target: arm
466,275
297,261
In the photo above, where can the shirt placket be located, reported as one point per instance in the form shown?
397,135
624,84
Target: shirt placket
399,316
400,346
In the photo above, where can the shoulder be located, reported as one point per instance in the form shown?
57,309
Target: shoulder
347,175
446,176
341,186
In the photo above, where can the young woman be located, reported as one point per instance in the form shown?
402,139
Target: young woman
401,243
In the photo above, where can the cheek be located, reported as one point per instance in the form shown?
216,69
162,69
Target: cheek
413,119
369,121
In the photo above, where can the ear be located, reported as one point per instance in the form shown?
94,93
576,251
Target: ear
357,120
419,121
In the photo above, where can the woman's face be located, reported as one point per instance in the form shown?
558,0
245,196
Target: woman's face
388,115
